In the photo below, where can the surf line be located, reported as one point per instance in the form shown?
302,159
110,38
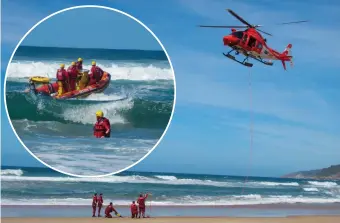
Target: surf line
251,132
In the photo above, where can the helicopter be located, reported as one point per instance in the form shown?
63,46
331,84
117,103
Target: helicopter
251,44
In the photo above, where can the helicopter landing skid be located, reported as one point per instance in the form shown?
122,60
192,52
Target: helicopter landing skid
240,62
269,63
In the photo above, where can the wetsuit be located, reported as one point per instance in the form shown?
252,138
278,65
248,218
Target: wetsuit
134,210
62,80
108,211
72,74
141,202
96,74
94,205
101,127
79,65
100,204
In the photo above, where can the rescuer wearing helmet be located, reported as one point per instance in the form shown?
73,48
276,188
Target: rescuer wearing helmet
62,80
79,64
95,74
101,128
72,75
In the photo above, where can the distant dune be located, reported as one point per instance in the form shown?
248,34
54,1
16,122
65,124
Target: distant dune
329,173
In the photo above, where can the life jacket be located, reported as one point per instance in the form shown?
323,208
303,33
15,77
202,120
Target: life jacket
99,128
72,72
94,200
97,73
61,75
100,200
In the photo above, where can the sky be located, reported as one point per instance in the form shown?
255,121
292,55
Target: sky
294,113
106,29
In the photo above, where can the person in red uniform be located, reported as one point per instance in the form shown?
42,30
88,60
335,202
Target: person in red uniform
94,205
141,202
96,73
100,203
108,211
72,75
79,64
102,126
62,80
134,210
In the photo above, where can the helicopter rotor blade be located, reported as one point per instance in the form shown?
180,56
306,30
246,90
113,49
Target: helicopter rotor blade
239,18
285,23
264,32
222,26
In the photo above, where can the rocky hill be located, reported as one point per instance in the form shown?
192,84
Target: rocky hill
330,173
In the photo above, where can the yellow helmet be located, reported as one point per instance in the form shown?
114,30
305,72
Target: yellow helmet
93,63
62,65
73,63
80,59
99,113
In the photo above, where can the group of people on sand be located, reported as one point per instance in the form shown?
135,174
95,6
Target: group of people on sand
67,79
136,211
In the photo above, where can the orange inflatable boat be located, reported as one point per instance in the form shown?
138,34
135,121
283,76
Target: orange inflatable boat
43,86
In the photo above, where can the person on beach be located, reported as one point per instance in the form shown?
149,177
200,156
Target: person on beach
102,127
134,210
141,204
100,203
108,211
94,205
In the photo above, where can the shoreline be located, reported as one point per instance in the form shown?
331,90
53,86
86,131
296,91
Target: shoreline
288,219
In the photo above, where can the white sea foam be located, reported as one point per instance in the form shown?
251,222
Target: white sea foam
12,172
323,184
312,189
129,71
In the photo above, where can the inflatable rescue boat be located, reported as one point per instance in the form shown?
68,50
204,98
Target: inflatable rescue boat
43,86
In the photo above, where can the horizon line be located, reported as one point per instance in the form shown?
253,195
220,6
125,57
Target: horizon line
91,48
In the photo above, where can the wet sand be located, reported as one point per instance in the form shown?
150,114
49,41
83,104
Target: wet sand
295,219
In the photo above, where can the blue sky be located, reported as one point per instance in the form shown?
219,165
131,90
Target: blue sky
296,112
106,29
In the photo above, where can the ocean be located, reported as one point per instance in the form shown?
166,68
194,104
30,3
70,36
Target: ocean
138,103
171,192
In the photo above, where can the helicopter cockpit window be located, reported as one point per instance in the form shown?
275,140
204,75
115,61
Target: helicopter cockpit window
251,41
259,46
238,34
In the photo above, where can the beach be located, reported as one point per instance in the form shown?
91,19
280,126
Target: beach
293,219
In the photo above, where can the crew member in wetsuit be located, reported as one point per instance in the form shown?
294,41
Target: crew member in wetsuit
134,210
96,73
141,202
108,211
72,75
102,126
94,205
79,64
62,80
100,203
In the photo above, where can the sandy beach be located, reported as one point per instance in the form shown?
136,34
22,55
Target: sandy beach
295,219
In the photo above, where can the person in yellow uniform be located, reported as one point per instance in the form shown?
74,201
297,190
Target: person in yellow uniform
62,80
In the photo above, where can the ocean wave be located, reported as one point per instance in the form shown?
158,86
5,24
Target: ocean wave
137,179
132,112
130,71
295,184
323,184
9,172
312,189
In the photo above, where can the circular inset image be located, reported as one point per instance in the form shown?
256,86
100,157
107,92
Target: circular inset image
90,91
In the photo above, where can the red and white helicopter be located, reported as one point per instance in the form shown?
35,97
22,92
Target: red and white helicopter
251,44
